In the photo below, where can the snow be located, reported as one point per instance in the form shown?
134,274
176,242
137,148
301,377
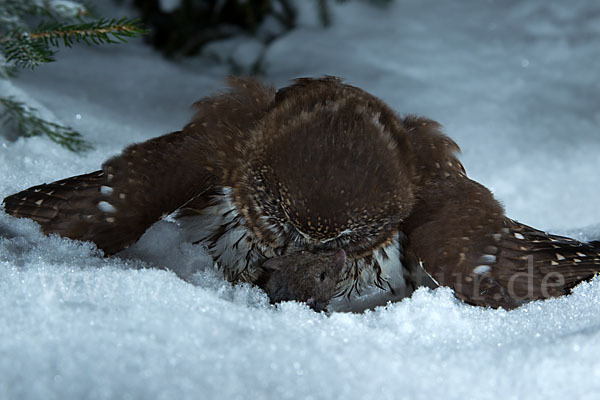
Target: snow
516,84
65,8
169,5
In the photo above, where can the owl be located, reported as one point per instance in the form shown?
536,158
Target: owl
314,168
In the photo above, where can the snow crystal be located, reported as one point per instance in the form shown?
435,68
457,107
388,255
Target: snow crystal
159,321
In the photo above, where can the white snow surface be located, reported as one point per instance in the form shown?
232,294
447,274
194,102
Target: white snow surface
516,84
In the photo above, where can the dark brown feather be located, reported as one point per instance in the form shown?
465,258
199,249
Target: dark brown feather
319,165
148,180
114,207
328,158
464,241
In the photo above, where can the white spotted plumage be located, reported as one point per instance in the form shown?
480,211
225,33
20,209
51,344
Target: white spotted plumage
106,207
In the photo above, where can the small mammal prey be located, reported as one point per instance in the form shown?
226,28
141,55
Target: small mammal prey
303,276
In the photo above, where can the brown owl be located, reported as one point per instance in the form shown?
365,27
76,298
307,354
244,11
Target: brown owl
316,167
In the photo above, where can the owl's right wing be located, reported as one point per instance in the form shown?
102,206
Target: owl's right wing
114,206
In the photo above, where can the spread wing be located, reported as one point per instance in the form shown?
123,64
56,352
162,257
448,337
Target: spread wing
114,206
460,234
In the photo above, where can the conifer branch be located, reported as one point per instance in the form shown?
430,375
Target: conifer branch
30,49
28,123
63,22
96,32
23,52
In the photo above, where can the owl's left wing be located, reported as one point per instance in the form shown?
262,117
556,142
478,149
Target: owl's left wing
464,241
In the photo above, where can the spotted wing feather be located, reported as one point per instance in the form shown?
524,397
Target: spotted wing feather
464,241
560,262
113,207
41,202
